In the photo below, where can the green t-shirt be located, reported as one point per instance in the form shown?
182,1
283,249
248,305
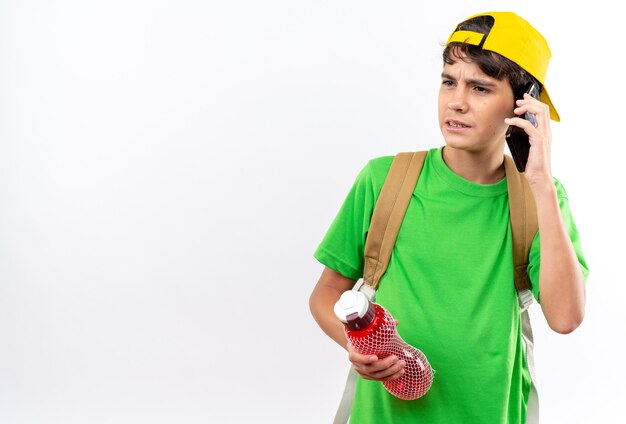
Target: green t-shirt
450,284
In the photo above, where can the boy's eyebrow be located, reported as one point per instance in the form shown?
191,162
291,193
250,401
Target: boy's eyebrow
475,81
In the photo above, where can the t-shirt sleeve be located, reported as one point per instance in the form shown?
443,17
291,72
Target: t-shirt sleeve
342,248
534,258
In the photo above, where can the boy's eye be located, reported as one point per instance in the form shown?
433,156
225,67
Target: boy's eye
481,89
447,82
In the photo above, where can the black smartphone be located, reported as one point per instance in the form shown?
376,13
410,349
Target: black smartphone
516,138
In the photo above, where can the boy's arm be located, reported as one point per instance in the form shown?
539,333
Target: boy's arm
561,281
326,293
322,300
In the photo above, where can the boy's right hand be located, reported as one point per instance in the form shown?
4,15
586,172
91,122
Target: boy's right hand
371,368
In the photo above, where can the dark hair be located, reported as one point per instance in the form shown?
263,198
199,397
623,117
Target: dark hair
491,63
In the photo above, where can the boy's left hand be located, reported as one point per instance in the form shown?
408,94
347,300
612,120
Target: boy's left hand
538,170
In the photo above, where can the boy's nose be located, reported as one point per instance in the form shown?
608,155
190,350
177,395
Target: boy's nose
458,104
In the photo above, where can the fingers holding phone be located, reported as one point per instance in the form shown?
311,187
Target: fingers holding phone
529,135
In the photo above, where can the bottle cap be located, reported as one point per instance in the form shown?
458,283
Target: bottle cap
354,310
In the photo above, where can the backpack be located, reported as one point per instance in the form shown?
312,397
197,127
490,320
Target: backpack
385,224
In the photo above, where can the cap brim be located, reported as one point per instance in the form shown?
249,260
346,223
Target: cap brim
545,98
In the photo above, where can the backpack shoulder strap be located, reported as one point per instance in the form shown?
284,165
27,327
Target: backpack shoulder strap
524,226
388,214
523,213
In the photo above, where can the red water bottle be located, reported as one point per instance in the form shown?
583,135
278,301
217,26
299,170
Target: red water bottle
371,330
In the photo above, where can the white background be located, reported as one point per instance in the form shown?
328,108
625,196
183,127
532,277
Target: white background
167,169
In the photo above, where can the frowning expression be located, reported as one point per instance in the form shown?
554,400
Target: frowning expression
472,107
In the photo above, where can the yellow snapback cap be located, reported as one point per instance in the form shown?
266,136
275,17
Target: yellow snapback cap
514,38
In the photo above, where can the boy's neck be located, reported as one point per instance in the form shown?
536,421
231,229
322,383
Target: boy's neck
478,167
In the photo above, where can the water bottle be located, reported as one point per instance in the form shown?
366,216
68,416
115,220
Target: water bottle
371,330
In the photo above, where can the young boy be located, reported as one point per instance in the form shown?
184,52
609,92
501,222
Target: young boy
449,281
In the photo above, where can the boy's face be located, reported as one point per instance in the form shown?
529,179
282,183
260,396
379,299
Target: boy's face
472,107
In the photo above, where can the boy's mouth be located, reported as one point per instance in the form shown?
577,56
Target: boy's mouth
456,124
